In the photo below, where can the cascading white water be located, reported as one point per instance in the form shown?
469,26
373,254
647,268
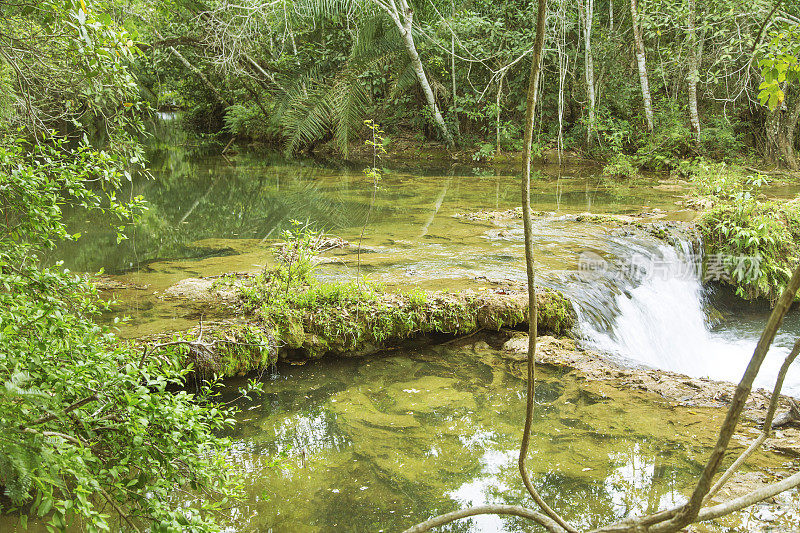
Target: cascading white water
658,319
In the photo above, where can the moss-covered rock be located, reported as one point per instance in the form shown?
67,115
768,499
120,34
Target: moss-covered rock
349,320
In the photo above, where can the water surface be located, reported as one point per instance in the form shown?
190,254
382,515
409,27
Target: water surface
378,444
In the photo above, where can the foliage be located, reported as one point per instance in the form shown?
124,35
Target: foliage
86,422
94,434
324,66
720,180
757,241
670,141
486,152
753,242
620,166
720,137
248,121
780,65
614,133
72,73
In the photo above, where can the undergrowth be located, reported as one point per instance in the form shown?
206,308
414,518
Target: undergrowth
751,243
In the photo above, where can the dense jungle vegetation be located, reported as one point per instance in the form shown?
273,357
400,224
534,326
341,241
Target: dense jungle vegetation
97,432
642,85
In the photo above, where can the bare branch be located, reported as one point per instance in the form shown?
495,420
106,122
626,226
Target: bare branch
773,405
689,512
513,510
749,499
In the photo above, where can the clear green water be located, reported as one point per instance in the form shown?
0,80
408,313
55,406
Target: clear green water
378,444
198,195
210,214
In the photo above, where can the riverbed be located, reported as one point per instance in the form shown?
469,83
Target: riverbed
380,443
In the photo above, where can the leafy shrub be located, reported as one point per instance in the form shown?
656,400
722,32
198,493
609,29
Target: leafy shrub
615,134
250,122
757,242
670,141
85,421
719,179
620,166
718,137
486,152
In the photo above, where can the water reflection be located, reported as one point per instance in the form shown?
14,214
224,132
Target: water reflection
196,194
378,444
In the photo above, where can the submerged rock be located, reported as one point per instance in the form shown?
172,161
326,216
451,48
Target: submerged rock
677,389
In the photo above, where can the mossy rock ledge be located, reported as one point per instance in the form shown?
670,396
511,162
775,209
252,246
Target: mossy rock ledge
356,326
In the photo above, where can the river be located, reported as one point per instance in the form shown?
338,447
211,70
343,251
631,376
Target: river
379,443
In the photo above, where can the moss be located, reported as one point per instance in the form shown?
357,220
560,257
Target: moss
248,348
555,313
223,350
350,320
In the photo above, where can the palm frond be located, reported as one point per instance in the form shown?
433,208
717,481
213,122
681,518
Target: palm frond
349,101
307,120
406,79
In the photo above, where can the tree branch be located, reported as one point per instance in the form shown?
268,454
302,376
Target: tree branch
773,405
513,510
688,512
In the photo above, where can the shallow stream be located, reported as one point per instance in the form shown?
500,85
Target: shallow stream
210,214
378,444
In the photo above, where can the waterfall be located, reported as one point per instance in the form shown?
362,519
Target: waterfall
646,303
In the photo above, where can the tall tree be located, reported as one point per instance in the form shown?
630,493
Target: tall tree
403,17
586,11
641,64
695,56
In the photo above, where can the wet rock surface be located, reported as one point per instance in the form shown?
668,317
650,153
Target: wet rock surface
677,389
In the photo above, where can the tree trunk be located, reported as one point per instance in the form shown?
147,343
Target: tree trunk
530,113
781,126
587,15
497,109
611,18
695,56
453,74
642,65
563,67
403,18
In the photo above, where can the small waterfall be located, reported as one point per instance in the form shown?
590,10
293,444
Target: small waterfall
647,304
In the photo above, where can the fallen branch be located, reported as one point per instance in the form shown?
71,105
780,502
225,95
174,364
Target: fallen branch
756,496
